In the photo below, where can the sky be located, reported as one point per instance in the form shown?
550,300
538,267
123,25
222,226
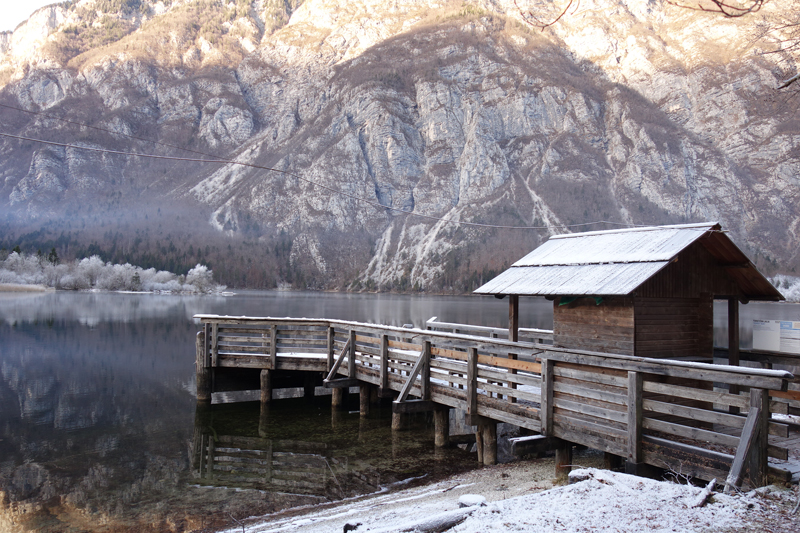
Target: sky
12,12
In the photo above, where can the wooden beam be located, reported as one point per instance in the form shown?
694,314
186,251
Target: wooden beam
759,400
340,383
414,406
332,374
749,432
411,378
533,444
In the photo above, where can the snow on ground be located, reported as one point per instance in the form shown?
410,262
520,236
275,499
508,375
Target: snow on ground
519,499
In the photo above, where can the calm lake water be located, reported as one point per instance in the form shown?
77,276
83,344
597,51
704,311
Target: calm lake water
99,428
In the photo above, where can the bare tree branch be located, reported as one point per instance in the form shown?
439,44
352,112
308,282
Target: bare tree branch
542,24
732,9
788,82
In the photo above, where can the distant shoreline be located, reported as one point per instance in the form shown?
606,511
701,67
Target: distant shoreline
19,287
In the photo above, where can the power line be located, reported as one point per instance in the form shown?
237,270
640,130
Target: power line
291,174
104,130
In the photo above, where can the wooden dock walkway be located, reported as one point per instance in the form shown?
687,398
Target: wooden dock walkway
673,415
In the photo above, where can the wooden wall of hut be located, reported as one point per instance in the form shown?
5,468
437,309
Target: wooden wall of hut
584,324
672,328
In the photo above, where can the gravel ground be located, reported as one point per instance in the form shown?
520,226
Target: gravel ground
510,487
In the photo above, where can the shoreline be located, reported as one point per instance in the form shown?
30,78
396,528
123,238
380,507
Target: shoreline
521,496
20,287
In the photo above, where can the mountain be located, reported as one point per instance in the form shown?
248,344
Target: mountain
380,119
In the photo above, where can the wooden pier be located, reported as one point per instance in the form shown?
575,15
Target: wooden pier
701,420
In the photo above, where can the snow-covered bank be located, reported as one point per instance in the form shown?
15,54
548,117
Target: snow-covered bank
519,500
92,273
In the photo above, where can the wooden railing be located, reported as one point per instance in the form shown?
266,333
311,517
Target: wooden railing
540,336
657,412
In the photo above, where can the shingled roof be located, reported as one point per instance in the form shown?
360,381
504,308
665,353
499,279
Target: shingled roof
616,262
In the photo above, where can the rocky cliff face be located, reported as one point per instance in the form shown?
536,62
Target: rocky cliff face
377,115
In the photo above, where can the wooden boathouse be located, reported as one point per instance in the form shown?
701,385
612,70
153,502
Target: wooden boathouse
590,386
644,291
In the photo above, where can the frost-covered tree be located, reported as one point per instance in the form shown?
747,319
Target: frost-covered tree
201,277
93,273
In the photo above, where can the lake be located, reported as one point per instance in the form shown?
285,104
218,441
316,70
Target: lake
100,431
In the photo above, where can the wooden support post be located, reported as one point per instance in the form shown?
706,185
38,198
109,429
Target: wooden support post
273,347
489,438
269,456
266,386
202,369
546,405
441,423
309,384
384,370
733,343
331,347
263,420
374,397
733,331
202,421
563,462
479,442
363,399
635,385
351,357
759,400
397,420
513,317
612,462
338,397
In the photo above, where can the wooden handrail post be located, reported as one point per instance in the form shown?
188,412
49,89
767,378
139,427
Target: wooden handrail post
384,371
472,382
635,385
331,337
425,371
214,343
351,357
546,405
273,347
202,369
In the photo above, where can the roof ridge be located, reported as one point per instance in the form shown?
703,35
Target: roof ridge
697,225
